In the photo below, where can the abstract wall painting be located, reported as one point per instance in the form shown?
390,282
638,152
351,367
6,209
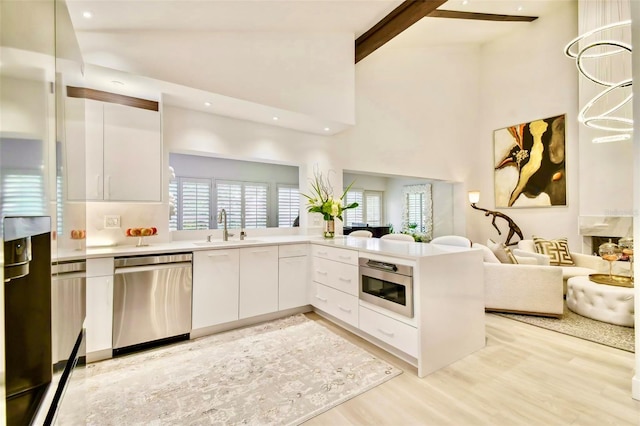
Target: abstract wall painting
529,164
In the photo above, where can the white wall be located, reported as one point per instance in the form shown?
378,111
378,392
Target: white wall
525,77
310,73
600,163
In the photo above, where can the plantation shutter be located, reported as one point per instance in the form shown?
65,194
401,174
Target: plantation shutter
352,216
23,195
173,195
195,203
415,209
288,205
373,205
229,198
255,205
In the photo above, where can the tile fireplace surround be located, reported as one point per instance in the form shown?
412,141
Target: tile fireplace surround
603,226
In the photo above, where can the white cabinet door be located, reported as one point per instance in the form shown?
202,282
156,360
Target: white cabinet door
292,282
132,154
74,149
258,281
99,319
216,281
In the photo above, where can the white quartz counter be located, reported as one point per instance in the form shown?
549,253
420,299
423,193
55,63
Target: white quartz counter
401,249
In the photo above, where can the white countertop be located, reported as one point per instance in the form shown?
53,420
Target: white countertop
402,249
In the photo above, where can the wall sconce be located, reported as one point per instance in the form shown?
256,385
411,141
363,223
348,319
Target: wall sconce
474,197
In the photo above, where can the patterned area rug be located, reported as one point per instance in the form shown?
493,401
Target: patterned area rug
585,328
281,372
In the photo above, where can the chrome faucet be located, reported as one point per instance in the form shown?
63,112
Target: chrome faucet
222,216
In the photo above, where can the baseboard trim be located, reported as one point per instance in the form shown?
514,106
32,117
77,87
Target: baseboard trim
99,355
246,322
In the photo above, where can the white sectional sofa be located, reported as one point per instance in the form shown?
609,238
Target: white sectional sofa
521,288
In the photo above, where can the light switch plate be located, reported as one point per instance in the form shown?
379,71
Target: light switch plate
111,221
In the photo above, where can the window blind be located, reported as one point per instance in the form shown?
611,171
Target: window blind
255,205
352,216
195,203
288,205
415,210
23,195
373,206
229,198
173,195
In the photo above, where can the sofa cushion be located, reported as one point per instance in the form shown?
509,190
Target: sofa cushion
576,271
502,252
487,254
526,260
527,245
557,250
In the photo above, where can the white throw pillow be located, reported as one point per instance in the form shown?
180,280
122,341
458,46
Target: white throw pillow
502,252
487,254
527,245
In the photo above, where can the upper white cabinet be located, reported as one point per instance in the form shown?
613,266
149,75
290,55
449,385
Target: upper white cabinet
123,152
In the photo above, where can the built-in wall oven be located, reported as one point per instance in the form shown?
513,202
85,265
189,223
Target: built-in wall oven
387,285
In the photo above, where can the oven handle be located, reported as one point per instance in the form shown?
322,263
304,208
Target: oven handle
382,266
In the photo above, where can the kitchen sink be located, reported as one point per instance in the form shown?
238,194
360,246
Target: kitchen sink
226,243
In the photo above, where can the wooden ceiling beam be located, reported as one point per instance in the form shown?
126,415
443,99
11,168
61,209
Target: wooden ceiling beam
454,14
402,17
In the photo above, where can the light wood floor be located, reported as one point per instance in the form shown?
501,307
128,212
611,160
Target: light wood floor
525,375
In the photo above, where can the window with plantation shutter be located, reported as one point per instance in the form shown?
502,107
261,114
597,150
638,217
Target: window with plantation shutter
173,212
23,195
373,208
288,205
59,205
415,209
255,205
195,203
229,198
352,216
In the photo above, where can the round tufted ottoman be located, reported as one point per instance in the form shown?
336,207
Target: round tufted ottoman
601,302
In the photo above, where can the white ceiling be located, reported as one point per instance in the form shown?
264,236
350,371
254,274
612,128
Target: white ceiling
355,16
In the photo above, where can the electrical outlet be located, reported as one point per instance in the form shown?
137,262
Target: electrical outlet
111,221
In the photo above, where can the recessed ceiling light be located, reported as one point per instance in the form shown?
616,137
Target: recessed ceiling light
465,2
275,118
520,8
86,14
117,83
207,104
326,129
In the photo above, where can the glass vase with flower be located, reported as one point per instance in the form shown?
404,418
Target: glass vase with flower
321,200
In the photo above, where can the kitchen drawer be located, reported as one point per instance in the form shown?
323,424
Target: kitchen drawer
293,250
340,276
389,330
334,302
337,254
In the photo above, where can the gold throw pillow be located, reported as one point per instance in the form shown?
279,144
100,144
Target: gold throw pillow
557,250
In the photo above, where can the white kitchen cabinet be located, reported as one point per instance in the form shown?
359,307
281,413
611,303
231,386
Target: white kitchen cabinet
258,281
334,287
391,331
123,151
99,316
334,302
216,286
292,276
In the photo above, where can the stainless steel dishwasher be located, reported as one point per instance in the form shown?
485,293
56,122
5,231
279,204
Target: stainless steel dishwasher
151,299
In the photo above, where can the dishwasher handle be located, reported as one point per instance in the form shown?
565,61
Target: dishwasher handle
151,260
132,269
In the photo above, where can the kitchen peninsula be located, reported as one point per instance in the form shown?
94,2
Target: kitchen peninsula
236,283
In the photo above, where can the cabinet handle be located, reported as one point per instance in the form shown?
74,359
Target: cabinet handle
387,333
322,253
259,251
346,280
218,255
98,185
109,187
347,310
322,299
344,257
321,272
